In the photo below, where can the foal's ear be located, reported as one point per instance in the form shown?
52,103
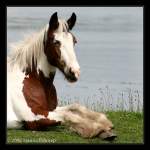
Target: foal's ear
71,21
53,23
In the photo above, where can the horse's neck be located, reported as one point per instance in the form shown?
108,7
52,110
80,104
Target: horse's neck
45,81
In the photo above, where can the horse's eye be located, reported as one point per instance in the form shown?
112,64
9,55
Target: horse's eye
56,42
74,40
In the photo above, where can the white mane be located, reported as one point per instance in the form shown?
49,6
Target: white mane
24,53
29,51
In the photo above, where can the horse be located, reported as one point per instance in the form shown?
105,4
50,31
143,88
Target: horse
31,95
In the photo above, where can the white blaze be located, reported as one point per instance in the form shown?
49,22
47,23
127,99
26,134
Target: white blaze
67,51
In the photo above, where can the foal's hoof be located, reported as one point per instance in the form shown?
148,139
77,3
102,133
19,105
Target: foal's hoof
109,136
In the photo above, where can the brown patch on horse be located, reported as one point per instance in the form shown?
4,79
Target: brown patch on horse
40,93
51,48
52,51
41,124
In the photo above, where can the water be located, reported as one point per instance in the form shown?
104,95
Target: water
109,51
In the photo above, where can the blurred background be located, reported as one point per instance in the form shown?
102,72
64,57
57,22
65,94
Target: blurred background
109,51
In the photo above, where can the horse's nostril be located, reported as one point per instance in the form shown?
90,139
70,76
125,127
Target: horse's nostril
70,71
71,75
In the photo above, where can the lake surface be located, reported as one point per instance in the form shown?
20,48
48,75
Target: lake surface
109,51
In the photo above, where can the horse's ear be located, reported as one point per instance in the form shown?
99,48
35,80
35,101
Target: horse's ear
71,21
53,23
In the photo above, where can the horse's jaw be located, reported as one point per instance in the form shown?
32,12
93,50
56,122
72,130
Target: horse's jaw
69,77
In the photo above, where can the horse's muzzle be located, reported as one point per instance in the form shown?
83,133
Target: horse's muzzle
72,75
71,78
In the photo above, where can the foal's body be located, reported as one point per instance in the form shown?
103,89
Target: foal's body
31,95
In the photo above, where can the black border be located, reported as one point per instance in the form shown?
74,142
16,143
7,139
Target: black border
76,3
52,3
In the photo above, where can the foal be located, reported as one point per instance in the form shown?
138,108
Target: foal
31,94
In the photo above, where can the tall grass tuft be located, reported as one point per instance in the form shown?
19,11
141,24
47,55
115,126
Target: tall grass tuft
127,100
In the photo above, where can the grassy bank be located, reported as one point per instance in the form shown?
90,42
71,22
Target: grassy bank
128,127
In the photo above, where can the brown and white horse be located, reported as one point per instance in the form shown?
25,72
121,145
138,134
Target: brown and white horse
31,94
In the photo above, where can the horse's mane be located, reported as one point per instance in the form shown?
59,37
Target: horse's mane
28,51
25,53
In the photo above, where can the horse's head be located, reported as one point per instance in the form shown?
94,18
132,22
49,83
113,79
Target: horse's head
59,47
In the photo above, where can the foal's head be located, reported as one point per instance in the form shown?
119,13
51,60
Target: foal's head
59,47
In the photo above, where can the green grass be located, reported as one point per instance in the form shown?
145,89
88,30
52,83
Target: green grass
128,127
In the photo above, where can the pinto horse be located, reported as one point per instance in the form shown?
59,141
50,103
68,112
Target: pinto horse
31,94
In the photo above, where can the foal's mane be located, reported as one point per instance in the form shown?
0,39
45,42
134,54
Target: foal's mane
28,52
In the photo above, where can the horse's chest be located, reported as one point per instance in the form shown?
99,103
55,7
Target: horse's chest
39,98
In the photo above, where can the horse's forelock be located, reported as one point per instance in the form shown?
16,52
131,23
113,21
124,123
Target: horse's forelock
63,26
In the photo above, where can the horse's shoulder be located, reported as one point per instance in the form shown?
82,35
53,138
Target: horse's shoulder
39,98
35,96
